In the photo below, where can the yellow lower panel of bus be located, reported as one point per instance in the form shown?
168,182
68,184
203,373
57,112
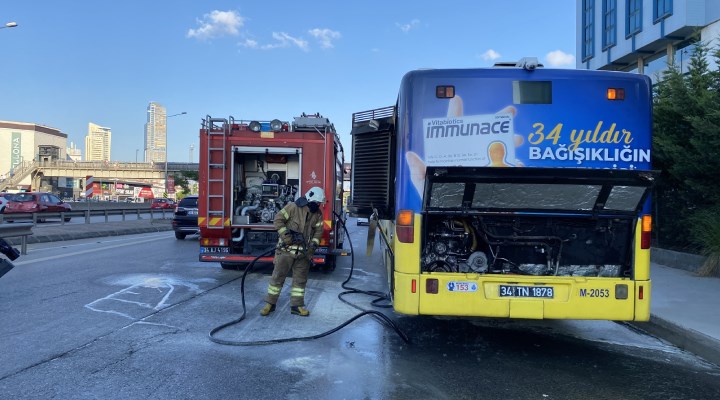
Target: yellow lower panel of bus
530,297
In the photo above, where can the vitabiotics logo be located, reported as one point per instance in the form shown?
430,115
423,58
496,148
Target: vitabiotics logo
472,141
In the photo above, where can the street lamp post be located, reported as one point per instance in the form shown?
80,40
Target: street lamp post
166,149
683,51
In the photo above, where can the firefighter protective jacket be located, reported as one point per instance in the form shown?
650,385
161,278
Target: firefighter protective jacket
299,219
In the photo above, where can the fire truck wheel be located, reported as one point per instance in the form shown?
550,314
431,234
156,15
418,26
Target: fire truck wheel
329,265
179,236
234,266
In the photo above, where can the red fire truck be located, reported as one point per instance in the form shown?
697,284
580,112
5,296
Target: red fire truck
249,170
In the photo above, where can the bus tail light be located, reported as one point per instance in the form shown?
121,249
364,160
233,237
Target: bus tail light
445,92
405,226
645,234
641,293
431,286
413,286
616,94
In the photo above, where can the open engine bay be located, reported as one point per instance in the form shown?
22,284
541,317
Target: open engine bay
528,245
537,222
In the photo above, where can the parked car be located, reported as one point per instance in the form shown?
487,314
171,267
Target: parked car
4,199
36,202
185,221
363,221
162,203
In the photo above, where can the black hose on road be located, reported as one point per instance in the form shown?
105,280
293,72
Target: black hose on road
376,314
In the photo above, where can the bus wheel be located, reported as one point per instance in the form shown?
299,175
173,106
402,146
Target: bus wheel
234,266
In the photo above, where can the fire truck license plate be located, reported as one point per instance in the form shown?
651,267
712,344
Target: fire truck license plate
214,249
546,292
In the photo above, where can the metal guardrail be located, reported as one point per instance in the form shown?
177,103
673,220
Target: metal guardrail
141,213
22,230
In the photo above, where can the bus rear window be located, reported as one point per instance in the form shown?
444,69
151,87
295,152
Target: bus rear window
447,194
624,198
532,92
535,196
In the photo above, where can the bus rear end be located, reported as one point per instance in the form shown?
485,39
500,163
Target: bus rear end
520,193
526,243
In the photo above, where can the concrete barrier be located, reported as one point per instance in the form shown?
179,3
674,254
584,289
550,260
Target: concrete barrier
675,259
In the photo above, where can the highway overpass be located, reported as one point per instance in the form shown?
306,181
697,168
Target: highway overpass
101,170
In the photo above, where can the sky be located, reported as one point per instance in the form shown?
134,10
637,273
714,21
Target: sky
72,62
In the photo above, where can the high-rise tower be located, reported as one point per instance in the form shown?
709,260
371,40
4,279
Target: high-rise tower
97,143
155,133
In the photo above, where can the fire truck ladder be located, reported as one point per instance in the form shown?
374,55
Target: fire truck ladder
216,163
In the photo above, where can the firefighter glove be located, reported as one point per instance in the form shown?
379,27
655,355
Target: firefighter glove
311,249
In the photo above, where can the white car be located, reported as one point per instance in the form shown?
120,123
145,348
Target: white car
363,221
3,202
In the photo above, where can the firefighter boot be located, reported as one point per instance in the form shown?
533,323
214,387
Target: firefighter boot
267,309
300,310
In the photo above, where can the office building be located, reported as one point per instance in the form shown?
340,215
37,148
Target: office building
644,35
23,144
73,152
155,133
97,143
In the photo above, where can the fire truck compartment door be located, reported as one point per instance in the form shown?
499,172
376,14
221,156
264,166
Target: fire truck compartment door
266,150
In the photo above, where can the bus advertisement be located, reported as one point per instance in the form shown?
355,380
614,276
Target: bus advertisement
516,192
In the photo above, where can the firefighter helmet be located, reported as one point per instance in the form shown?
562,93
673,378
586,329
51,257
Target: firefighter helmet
315,194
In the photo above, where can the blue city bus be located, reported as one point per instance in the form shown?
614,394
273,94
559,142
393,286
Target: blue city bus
514,191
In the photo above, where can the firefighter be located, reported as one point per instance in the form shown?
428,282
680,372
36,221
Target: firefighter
300,226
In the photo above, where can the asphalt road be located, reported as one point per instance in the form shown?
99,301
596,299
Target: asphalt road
128,317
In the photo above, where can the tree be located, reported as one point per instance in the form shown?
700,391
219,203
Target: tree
686,148
183,179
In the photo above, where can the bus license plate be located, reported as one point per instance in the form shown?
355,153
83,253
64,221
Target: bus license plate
462,286
545,292
214,249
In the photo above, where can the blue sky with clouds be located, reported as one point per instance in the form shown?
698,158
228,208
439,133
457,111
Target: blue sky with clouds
71,62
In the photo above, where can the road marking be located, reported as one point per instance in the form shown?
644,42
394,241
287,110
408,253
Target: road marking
129,290
94,242
93,250
149,293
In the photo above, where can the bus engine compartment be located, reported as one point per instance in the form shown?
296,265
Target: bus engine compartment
528,245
